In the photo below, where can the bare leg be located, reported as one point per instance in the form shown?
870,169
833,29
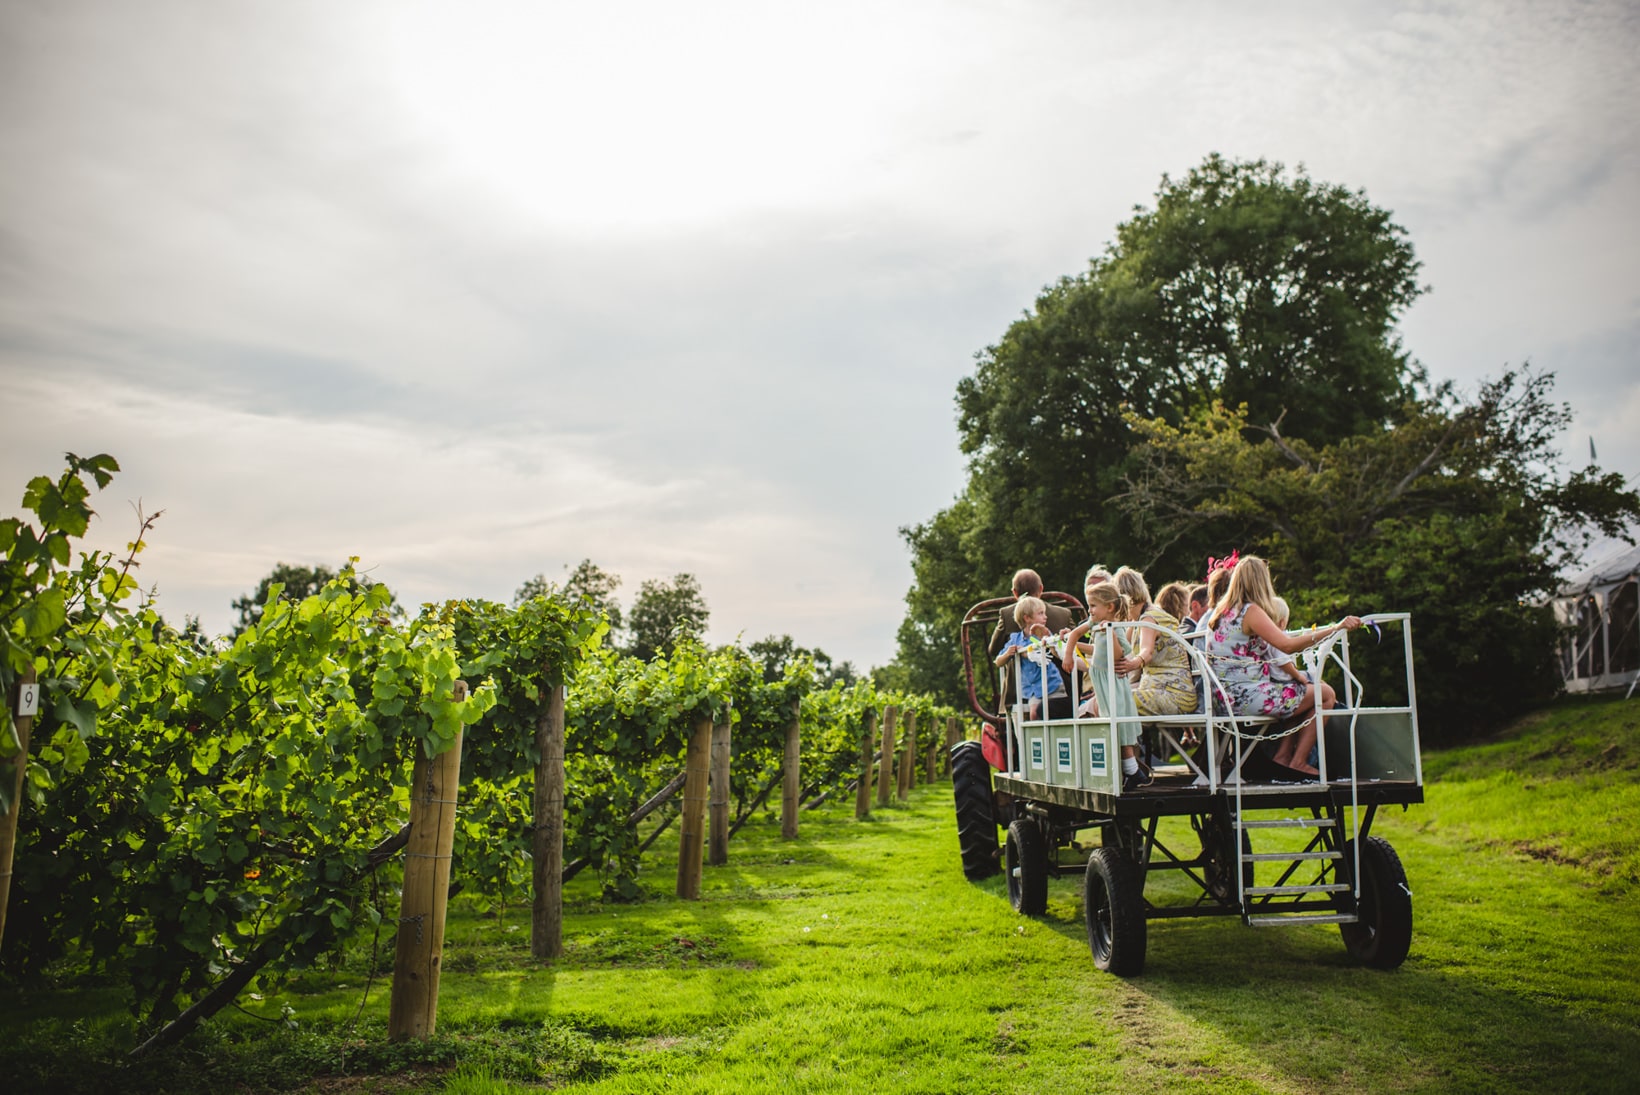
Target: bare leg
1295,749
1287,746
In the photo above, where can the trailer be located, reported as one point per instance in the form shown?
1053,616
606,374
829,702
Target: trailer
1268,850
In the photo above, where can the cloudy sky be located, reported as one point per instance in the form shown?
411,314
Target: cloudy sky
474,290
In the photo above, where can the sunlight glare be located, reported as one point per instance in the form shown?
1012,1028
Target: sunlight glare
644,115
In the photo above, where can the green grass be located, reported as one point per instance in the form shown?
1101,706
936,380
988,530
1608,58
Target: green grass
858,959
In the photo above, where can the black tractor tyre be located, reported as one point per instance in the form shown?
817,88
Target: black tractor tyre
1113,905
1025,856
1383,934
976,816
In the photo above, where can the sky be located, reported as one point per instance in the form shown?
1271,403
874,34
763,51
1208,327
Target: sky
475,290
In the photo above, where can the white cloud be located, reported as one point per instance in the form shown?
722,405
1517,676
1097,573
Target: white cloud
435,515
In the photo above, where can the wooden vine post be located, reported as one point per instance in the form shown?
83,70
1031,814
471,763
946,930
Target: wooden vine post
868,742
413,1010
908,756
885,762
953,734
692,836
718,848
25,700
791,769
931,769
547,852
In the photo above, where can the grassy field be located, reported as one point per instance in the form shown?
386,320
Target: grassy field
857,959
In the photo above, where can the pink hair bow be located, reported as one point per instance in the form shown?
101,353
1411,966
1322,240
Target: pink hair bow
1227,563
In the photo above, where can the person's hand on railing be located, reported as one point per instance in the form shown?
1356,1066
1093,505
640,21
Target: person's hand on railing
1069,652
1321,634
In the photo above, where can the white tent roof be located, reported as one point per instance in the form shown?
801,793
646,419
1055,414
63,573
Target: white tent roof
1622,563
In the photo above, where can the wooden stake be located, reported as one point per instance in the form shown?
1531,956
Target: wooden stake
14,771
692,836
792,769
908,756
931,769
868,742
953,734
885,763
413,1009
547,921
718,848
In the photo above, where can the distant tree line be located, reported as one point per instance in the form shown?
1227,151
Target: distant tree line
663,613
1227,374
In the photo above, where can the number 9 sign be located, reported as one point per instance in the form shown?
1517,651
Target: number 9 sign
28,699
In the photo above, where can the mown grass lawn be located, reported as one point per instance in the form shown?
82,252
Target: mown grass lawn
857,959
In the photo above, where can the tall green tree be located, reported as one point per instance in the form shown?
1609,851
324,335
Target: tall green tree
1245,282
664,612
776,652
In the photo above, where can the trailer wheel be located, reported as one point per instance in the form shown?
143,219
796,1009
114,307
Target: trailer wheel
1383,935
1025,857
976,819
1219,862
1114,906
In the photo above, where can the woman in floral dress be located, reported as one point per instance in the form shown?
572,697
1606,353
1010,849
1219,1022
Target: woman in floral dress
1242,638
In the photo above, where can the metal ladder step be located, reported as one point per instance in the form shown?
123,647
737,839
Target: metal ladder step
1291,823
1330,887
1303,918
1286,857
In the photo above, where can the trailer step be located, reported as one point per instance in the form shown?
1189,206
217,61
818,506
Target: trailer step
1330,887
1291,823
1286,857
1303,918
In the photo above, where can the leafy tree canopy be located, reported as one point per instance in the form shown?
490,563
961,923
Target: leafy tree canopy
664,612
1245,283
775,653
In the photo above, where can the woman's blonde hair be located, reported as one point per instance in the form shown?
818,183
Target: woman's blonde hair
1174,599
1095,575
1106,593
1132,585
1249,584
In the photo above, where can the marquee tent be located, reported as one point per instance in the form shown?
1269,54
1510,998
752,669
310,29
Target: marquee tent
1599,611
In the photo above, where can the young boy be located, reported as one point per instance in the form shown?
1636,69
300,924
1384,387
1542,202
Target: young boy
1035,642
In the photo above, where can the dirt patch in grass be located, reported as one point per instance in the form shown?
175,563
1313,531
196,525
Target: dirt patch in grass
640,952
432,1079
1551,853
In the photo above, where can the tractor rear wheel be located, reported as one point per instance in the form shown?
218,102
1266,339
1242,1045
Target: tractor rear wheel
976,818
